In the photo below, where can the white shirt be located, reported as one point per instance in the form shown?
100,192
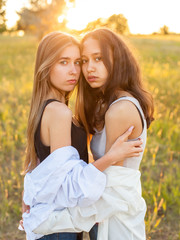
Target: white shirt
61,180
120,211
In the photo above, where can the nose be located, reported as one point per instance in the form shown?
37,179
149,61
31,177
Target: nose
90,66
73,69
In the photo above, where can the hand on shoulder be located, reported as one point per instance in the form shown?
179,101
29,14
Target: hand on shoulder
119,117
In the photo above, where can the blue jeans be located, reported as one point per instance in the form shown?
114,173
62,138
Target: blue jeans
60,236
71,236
93,232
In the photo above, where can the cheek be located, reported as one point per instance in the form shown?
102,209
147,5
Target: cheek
55,74
56,70
103,71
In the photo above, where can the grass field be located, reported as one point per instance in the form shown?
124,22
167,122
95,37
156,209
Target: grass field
160,61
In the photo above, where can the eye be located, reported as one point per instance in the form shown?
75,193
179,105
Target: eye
63,62
98,59
84,61
78,62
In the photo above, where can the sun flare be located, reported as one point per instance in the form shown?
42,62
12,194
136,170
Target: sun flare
75,22
61,18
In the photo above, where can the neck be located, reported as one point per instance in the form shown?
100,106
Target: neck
122,93
57,95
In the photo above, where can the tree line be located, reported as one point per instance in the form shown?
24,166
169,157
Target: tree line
42,17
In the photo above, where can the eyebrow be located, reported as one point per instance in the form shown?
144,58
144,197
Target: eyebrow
68,58
94,54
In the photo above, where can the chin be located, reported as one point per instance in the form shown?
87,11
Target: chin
94,85
70,88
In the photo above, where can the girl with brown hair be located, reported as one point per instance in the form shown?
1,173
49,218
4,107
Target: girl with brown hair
61,179
111,99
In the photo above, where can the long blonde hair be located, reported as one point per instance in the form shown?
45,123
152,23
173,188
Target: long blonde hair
47,55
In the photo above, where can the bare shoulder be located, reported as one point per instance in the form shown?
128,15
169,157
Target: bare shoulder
56,110
121,116
121,110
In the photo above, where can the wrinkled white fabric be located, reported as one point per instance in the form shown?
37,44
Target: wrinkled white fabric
61,180
120,211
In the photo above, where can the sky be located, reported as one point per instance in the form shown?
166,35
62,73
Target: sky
144,16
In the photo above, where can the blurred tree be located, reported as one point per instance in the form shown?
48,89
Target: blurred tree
117,23
42,17
100,22
2,16
38,4
164,30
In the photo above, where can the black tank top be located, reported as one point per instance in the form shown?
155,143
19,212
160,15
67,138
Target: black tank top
78,139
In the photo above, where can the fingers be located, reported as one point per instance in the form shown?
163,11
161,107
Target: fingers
135,154
25,208
138,149
137,143
28,210
125,135
21,223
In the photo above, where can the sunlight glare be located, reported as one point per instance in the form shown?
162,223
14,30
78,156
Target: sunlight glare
61,18
138,13
75,22
11,8
20,33
86,11
69,4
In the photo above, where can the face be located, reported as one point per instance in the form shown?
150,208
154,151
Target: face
93,67
65,73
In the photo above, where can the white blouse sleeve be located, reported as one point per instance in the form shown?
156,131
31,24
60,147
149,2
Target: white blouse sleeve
61,180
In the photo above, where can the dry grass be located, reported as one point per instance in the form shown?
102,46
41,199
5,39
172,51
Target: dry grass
160,60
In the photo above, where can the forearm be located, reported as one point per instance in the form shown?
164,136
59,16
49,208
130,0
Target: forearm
104,162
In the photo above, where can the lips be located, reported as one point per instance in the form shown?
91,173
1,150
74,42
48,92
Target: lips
72,81
92,78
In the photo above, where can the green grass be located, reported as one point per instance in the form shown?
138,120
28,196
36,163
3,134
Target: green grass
160,61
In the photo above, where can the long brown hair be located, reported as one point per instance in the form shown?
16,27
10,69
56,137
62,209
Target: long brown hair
124,74
47,55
